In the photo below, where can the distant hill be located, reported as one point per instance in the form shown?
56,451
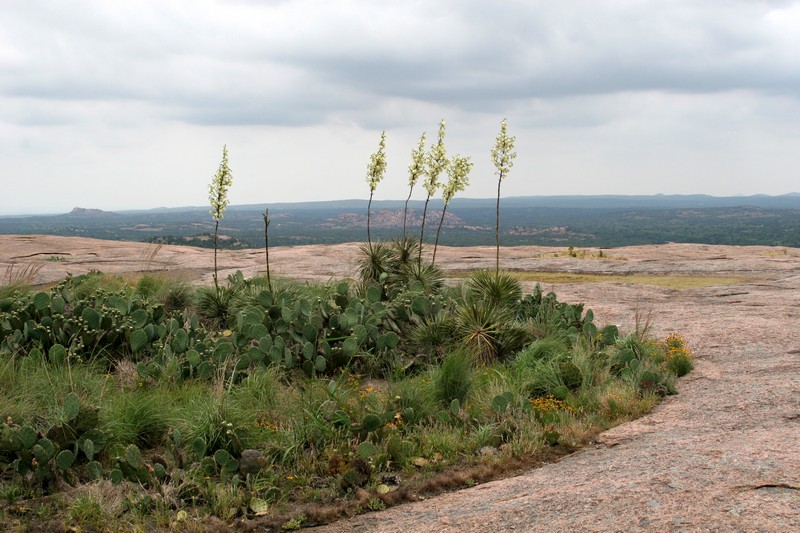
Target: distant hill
657,201
599,221
83,212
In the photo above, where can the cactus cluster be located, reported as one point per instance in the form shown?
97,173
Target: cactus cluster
67,450
60,322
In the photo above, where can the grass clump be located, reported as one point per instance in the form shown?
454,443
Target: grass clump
453,380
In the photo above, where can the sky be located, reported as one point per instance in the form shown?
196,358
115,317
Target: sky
127,104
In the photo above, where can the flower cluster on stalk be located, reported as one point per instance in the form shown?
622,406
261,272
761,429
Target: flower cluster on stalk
436,162
218,189
377,164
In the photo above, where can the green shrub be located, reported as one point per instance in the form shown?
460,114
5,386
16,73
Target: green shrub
544,349
415,398
219,425
680,364
376,262
453,380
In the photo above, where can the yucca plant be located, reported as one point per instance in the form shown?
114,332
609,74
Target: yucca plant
428,275
405,249
458,170
489,330
503,156
216,304
431,336
479,326
436,163
375,261
218,197
502,289
415,170
177,296
375,171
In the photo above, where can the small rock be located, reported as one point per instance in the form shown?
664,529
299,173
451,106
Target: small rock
393,480
489,451
252,461
420,462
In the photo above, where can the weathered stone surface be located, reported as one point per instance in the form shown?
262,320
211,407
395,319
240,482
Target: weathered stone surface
251,462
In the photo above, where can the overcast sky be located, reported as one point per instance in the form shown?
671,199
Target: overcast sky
127,104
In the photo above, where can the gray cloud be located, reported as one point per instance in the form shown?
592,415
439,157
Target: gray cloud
635,72
289,62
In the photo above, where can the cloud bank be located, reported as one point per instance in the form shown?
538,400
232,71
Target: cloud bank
127,103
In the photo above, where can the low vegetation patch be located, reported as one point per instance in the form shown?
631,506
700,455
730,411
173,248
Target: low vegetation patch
672,281
154,405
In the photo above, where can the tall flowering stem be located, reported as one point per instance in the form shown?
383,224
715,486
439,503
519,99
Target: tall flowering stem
458,171
436,163
375,171
218,197
415,170
267,221
503,156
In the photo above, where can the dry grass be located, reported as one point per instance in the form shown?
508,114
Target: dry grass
148,259
16,275
780,252
588,253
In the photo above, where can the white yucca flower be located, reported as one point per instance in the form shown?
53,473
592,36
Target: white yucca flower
375,171
458,171
417,166
436,162
377,164
218,197
218,189
503,153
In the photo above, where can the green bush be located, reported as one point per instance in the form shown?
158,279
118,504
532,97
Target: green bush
454,378
296,376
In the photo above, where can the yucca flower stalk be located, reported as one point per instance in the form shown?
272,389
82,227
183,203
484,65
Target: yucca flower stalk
458,171
218,197
415,170
265,214
375,171
436,163
503,155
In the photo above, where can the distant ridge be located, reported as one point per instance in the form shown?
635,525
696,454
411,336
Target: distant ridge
656,201
84,212
597,221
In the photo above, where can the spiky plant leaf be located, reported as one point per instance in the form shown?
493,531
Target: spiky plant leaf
499,288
